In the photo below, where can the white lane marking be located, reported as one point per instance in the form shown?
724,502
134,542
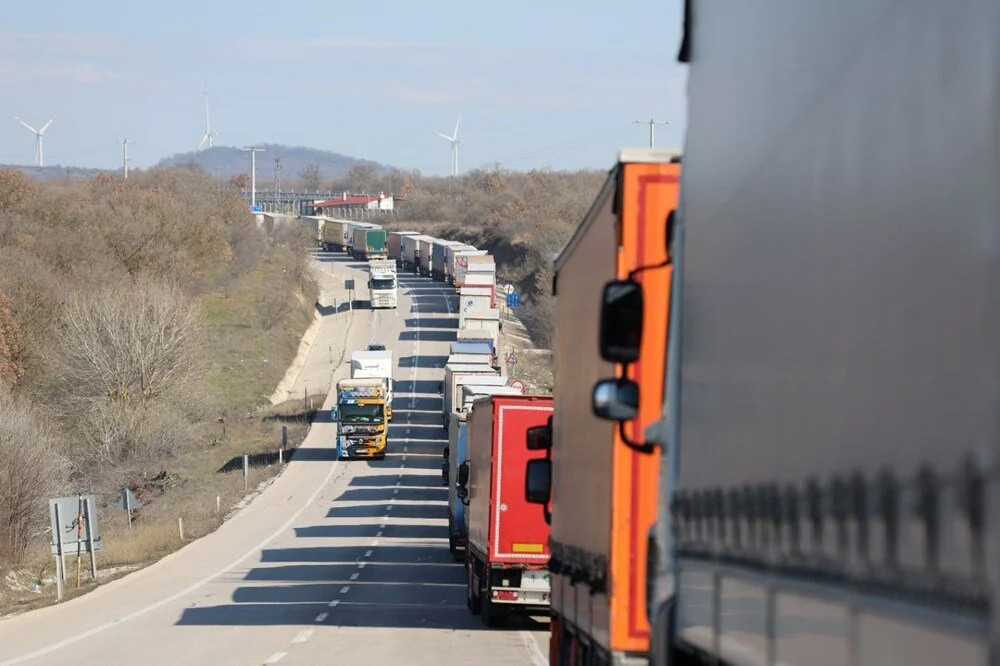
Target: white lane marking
395,491
303,636
388,508
379,533
368,553
52,647
406,448
275,658
361,565
354,576
374,543
344,589
322,616
397,484
333,604
538,657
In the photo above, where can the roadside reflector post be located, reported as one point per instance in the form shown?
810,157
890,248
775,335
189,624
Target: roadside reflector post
60,561
246,472
218,503
88,512
180,526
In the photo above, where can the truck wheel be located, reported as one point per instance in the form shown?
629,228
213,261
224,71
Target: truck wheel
471,594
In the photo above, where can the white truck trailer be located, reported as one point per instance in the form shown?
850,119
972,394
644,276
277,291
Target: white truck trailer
375,365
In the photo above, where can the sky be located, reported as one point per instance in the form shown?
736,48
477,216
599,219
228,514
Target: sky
538,84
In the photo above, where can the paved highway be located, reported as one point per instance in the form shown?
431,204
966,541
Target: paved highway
336,562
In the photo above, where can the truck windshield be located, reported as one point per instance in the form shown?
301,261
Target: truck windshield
387,283
361,413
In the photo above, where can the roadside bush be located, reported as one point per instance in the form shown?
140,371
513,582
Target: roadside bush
30,471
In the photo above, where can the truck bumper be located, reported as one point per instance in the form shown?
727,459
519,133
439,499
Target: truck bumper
359,451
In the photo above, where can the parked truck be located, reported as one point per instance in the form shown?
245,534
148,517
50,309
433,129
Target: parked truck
834,339
507,551
394,244
457,373
425,247
410,252
465,261
450,253
475,298
369,243
603,496
382,287
479,325
362,418
332,234
439,257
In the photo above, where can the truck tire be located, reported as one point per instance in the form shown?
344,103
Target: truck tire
471,594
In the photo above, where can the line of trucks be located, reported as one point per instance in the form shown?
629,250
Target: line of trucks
774,434
500,536
775,437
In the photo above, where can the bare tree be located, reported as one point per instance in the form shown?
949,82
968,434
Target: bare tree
362,177
11,344
312,177
129,343
30,471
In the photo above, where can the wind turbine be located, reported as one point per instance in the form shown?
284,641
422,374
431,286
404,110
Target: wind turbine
454,145
39,133
208,125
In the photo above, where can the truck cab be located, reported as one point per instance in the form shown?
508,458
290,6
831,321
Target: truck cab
361,414
382,286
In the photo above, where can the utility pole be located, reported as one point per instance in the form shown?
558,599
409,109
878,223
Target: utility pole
652,128
277,183
253,150
124,143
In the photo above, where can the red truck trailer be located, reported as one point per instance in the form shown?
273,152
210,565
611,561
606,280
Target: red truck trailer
507,555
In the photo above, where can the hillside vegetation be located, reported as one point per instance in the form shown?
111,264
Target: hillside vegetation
142,325
522,218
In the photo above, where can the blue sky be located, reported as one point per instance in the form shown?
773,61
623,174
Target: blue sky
538,84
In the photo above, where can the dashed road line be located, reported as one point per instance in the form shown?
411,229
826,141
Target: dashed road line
379,533
361,565
322,616
333,604
354,576
344,589
303,636
368,553
275,658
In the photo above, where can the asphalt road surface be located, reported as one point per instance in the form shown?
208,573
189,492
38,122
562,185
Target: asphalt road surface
337,562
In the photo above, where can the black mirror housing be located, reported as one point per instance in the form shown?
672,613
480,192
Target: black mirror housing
616,399
462,492
540,437
538,481
463,475
621,321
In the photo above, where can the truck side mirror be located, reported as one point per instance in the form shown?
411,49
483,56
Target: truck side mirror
462,492
538,481
463,475
621,321
540,437
334,414
616,399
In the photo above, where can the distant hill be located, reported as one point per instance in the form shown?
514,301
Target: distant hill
54,172
227,161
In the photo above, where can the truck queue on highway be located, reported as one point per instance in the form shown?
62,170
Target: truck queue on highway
773,435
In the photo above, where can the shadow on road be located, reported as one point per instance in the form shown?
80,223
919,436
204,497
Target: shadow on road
430,335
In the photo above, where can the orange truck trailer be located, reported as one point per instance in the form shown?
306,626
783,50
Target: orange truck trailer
604,492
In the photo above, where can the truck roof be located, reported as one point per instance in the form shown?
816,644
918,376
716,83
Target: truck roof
475,291
469,347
